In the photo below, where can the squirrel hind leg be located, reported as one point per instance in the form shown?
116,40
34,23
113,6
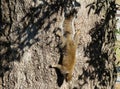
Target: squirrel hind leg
58,66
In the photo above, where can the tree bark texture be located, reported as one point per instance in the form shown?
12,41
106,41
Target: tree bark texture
28,45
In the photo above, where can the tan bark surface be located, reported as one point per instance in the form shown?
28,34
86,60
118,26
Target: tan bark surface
29,45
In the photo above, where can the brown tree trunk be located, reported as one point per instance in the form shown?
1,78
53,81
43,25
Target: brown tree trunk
28,45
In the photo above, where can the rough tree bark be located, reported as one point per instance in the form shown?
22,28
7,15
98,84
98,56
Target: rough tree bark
28,45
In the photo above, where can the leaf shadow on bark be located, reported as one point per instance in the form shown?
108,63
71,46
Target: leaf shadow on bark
66,5
101,71
5,49
60,76
32,23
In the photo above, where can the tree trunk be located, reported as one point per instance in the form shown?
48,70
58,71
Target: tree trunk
28,45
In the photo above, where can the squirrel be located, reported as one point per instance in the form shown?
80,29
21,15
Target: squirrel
69,45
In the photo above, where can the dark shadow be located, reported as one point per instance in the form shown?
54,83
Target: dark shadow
66,5
60,76
101,68
75,88
25,34
32,23
0,16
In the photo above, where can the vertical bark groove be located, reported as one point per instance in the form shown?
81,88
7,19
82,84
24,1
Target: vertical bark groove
28,44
